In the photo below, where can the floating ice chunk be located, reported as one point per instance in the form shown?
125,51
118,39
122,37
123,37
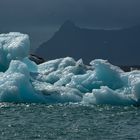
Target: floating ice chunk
68,61
134,83
105,95
61,80
53,77
56,94
13,46
32,66
110,75
15,85
103,84
49,66
64,80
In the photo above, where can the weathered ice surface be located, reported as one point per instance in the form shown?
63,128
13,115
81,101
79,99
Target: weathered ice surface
62,80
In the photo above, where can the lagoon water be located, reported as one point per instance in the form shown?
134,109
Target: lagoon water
68,122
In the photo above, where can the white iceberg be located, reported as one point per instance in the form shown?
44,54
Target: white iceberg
61,80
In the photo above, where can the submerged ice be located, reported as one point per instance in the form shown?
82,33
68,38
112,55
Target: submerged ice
62,80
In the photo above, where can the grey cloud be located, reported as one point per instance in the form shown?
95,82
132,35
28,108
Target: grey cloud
87,12
32,16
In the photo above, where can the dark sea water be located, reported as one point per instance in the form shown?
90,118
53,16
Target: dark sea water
68,122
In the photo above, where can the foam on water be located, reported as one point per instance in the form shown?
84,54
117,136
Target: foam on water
62,80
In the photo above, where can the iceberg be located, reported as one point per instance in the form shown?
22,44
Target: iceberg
13,46
62,80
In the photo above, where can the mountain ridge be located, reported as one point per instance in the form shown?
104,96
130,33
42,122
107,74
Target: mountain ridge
119,46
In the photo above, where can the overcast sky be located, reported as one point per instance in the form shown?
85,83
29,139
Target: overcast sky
43,17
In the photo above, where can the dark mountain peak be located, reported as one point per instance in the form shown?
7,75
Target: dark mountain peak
67,25
117,46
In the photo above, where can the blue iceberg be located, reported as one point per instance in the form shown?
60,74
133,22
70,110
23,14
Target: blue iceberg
62,80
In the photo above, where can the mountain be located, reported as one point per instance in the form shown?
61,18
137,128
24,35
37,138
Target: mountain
119,46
